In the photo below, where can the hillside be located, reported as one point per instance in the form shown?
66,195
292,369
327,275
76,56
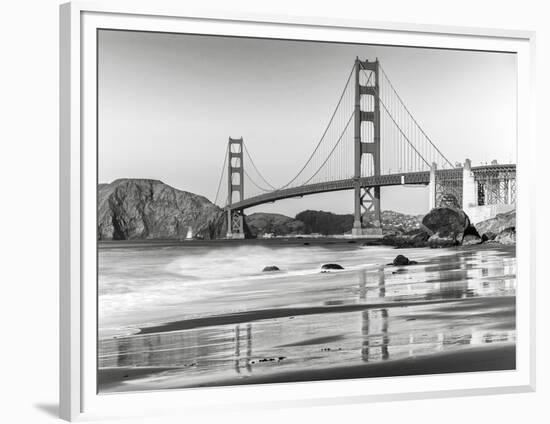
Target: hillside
273,223
497,224
325,223
149,209
328,223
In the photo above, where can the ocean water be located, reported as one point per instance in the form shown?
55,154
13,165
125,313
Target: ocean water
298,318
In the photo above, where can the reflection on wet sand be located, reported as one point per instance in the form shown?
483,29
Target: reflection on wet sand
373,338
450,303
243,362
374,324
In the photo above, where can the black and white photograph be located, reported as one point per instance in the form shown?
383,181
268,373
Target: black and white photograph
276,211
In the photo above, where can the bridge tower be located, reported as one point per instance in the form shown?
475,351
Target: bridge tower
367,199
235,184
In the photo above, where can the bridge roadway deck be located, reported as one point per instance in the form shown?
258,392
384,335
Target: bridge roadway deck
420,177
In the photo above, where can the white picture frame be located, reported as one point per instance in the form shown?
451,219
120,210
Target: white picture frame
78,362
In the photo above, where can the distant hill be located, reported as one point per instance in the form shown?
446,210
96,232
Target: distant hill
273,223
131,209
328,223
399,222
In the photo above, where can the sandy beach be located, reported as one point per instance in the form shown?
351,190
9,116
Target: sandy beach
454,311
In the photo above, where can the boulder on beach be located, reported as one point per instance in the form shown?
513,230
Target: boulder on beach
414,238
437,240
471,231
401,260
507,236
497,224
488,236
471,239
447,225
330,267
450,200
471,236
270,268
500,229
446,220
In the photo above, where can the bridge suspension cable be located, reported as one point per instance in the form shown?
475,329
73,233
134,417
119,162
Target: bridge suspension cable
332,150
395,122
255,183
412,117
331,120
257,170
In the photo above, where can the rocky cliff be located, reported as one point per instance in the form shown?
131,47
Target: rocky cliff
149,209
450,226
497,224
501,228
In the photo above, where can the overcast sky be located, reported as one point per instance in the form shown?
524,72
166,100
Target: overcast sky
169,102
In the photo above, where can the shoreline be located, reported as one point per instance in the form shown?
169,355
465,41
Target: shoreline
290,241
462,360
274,313
232,242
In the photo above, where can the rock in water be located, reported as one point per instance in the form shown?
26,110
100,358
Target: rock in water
507,236
328,267
401,260
447,225
270,268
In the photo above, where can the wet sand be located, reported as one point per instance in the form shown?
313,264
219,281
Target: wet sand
454,311
492,358
264,314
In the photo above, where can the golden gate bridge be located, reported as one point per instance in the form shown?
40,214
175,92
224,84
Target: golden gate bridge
371,140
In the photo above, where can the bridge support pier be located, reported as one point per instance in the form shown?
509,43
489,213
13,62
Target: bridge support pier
367,202
235,184
235,224
367,199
